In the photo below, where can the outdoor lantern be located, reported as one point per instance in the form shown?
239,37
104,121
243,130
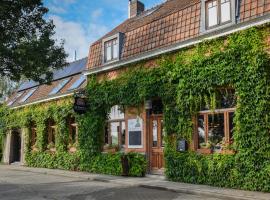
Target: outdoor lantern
148,104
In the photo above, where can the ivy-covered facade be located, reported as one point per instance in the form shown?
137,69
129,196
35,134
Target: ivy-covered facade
195,110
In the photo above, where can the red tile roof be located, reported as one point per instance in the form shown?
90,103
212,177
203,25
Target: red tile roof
169,23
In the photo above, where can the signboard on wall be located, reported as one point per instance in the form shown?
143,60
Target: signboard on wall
80,105
135,129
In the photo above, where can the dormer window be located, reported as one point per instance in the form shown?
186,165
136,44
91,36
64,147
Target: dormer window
218,12
112,48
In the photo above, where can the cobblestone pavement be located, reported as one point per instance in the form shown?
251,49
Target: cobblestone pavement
20,185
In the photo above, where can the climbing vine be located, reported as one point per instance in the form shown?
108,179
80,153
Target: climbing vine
185,81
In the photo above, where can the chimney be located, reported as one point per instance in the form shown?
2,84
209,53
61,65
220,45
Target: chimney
135,8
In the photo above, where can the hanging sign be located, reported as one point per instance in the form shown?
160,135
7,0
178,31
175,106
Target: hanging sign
80,105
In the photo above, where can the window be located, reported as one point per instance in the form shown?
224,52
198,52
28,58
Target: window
17,96
77,83
51,134
73,131
218,12
215,128
135,133
116,128
59,86
111,49
29,94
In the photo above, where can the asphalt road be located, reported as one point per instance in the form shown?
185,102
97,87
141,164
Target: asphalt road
20,185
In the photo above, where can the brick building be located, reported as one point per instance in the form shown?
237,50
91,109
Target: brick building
65,83
145,37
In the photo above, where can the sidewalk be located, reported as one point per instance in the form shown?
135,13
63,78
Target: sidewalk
155,182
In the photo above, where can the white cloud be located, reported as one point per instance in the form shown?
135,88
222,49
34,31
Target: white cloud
97,13
76,36
57,9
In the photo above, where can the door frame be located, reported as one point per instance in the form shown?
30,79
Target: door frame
159,148
15,133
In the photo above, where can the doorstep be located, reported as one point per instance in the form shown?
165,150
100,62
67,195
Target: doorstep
152,181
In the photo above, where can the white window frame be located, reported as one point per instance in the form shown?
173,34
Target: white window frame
119,40
203,25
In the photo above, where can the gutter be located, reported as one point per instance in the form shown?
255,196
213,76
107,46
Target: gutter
43,100
190,42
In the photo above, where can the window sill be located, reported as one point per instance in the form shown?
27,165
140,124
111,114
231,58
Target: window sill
112,150
205,151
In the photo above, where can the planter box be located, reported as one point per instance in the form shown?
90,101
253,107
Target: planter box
112,150
205,151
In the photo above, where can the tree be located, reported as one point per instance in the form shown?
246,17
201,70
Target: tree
27,47
6,87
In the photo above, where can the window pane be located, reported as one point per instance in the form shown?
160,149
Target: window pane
135,127
116,113
114,132
201,132
212,14
78,83
155,133
30,93
225,11
216,130
231,126
106,137
162,134
123,133
115,49
59,86
108,54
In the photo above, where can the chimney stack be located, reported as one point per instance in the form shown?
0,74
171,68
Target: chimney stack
135,8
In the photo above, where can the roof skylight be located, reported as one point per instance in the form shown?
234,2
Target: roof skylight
29,94
15,98
59,86
77,83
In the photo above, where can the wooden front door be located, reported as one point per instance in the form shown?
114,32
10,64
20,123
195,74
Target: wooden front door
157,144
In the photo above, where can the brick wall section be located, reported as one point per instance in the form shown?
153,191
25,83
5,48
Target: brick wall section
253,8
172,22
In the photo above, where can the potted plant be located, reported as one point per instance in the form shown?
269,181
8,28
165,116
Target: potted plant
227,148
51,147
110,148
72,148
205,148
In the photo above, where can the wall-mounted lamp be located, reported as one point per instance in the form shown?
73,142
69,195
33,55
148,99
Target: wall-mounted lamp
148,105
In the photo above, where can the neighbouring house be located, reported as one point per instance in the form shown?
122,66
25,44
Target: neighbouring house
182,89
65,83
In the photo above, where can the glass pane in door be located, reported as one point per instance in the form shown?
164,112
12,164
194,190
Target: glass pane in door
155,133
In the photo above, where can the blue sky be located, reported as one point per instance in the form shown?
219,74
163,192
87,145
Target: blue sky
81,22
